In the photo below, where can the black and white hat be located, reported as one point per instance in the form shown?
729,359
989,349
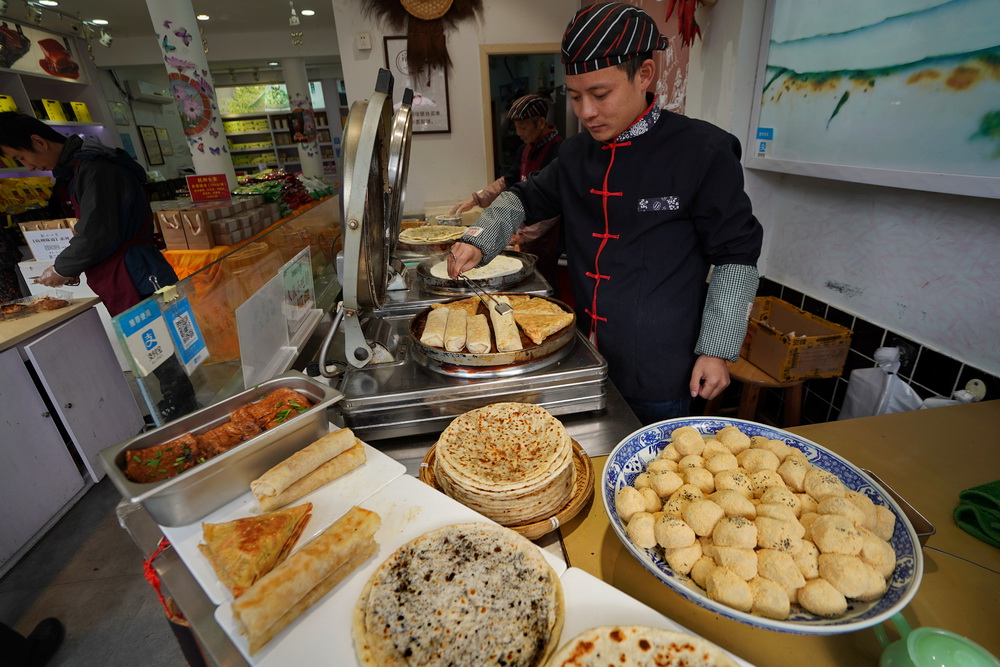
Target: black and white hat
529,106
607,34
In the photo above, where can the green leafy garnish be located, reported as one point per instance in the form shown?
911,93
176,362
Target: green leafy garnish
136,458
282,416
297,406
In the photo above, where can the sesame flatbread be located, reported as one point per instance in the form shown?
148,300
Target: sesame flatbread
638,646
466,594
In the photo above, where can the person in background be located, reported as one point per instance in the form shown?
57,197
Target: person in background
34,650
103,188
650,201
540,147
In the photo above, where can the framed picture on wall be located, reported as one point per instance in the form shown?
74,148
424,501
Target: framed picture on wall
150,144
119,112
885,96
430,90
163,139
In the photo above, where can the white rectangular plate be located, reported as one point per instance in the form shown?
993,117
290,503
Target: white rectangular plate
330,502
591,603
322,635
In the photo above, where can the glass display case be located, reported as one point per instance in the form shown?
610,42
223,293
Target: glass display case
245,316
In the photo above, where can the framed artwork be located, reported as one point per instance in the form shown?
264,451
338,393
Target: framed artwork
430,110
150,144
890,94
163,139
119,112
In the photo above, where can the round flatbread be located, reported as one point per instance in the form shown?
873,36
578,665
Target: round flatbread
501,265
638,646
431,234
466,594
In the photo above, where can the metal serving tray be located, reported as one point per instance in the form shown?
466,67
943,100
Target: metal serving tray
924,528
208,486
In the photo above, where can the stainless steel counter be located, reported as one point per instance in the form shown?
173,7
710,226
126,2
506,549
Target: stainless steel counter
597,432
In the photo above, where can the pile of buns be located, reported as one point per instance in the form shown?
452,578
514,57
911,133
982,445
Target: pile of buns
512,462
757,526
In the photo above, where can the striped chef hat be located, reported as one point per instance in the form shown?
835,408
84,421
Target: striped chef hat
607,34
529,106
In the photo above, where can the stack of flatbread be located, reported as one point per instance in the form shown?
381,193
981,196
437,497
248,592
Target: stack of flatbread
307,575
330,457
244,550
427,234
512,462
639,646
466,594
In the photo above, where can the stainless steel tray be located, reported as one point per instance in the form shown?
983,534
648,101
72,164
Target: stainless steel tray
921,525
208,486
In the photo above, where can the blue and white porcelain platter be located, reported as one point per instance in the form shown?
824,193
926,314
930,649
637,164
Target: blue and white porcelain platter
630,457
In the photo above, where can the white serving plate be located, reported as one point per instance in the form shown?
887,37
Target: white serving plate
330,502
322,635
630,457
591,602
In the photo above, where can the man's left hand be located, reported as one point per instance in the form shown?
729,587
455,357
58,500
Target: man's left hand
709,377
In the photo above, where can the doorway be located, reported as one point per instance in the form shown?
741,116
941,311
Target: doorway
508,72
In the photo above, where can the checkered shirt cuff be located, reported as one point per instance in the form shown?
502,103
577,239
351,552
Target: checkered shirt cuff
724,323
492,231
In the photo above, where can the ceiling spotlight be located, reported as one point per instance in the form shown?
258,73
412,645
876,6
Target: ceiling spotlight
48,3
100,21
308,12
106,38
273,63
3,7
203,17
34,14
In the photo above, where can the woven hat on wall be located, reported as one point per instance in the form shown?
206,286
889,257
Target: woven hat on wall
427,10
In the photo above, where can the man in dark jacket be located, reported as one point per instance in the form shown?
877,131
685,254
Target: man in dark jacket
113,244
651,200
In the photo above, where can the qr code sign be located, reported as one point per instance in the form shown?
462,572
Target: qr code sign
185,329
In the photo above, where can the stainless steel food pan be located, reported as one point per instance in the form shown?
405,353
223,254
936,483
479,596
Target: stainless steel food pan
208,486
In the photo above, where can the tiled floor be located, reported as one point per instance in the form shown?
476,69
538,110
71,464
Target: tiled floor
87,572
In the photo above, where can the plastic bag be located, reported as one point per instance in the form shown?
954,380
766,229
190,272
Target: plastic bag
879,391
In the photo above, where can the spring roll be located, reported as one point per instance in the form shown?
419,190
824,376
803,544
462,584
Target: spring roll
505,328
455,332
434,327
280,591
477,337
336,467
301,463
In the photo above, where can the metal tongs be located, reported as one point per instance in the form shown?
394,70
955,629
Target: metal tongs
501,308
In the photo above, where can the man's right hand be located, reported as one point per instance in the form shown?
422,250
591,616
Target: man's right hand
463,257
462,206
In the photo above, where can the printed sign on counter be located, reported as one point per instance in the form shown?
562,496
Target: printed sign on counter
146,336
46,244
208,187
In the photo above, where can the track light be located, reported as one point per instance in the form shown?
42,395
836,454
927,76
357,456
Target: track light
3,7
106,38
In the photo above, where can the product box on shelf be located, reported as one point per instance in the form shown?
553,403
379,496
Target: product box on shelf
790,344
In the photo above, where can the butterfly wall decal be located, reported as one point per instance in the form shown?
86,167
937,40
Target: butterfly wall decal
201,147
215,151
166,24
214,132
184,35
167,47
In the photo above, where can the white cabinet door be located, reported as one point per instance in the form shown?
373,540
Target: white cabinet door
37,473
78,368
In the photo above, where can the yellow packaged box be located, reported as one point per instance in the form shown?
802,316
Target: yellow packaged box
81,112
7,103
54,109
789,343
